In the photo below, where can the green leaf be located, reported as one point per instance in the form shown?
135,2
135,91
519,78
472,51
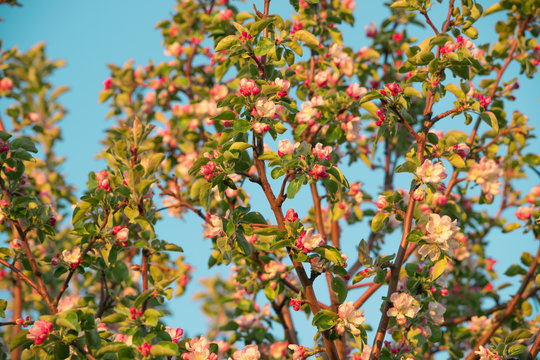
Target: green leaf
514,270
225,115
142,298
490,119
226,43
456,160
340,288
23,143
4,135
516,349
378,221
517,334
114,318
19,339
240,146
69,320
294,187
408,166
456,90
264,46
173,247
294,46
306,37
330,253
400,4
324,320
415,236
511,227
440,39
439,268
412,92
80,210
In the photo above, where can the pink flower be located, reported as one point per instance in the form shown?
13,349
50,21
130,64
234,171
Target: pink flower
349,318
295,304
381,203
260,128
285,147
226,14
145,349
322,153
102,178
248,87
394,88
462,149
419,194
397,37
318,171
298,352
486,173
122,233
371,30
307,241
6,84
355,91
72,257
429,172
250,352
265,108
40,331
524,213
349,4
175,334
107,83
404,306
291,215
208,170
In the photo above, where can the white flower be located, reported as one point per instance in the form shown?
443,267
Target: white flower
429,172
349,318
486,173
485,354
479,324
213,228
73,256
439,231
436,311
404,306
265,107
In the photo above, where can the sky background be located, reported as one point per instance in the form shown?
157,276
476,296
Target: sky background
91,34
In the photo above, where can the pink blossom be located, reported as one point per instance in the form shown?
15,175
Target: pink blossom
371,30
6,84
404,306
349,4
248,87
355,91
72,257
219,92
102,178
250,352
381,203
436,311
291,215
299,352
318,171
40,331
33,117
307,241
349,318
524,212
486,173
213,227
265,108
260,128
145,349
419,194
273,269
226,14
430,172
285,147
208,170
397,37
394,88
321,152
462,149
175,334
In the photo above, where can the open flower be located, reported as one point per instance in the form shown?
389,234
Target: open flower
349,318
72,257
250,352
430,172
40,331
404,306
265,108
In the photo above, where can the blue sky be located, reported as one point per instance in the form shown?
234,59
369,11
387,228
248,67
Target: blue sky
90,34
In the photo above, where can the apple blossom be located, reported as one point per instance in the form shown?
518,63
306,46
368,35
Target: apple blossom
404,305
265,108
430,172
72,257
349,318
307,241
40,331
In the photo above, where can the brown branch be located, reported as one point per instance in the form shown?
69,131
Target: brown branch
428,20
404,122
21,275
509,309
448,16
